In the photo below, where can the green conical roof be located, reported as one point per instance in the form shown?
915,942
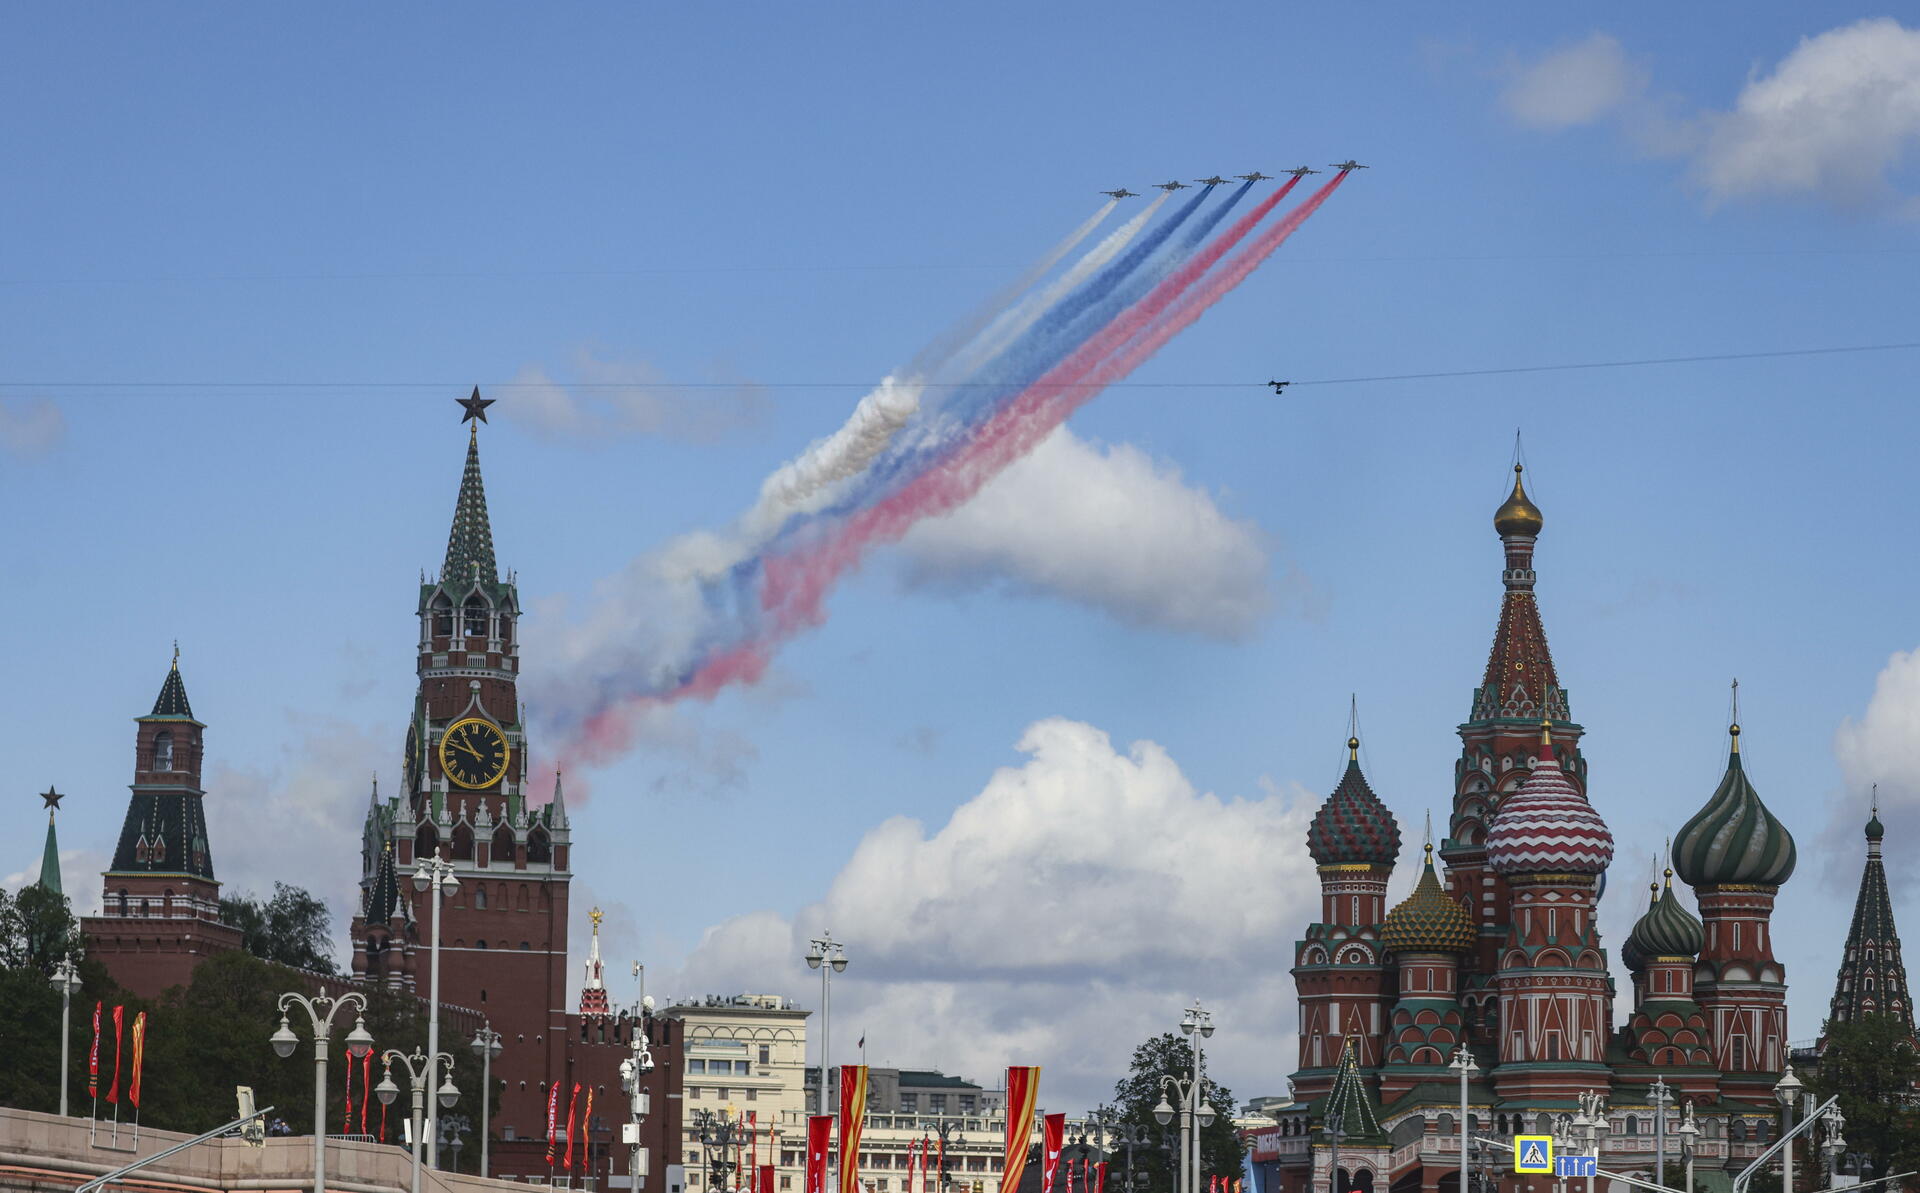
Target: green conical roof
1734,839
50,860
1351,1100
470,543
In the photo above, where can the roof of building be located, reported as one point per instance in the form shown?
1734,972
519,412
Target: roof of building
1518,514
1872,977
50,860
1668,929
1353,1102
1429,920
933,1079
1353,827
1734,838
171,704
1547,826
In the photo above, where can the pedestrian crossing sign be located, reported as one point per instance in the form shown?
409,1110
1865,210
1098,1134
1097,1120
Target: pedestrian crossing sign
1533,1154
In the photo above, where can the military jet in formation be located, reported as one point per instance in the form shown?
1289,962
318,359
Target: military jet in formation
1256,176
1122,193
1171,187
1216,180
1302,171
1349,164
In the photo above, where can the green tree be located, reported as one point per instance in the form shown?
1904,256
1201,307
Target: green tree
37,929
291,928
1135,1095
1871,1064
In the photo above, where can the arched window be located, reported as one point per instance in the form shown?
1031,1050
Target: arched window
480,944
503,849
123,900
539,850
442,616
163,750
480,899
426,842
476,611
463,842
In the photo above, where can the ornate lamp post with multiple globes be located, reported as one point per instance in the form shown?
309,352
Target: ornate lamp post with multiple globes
359,1043
826,954
420,1078
1196,1113
434,874
66,979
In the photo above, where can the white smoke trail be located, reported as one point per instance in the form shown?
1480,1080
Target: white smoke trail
957,337
805,483
1009,326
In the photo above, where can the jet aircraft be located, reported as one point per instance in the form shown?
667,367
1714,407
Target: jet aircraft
1216,180
1170,187
1256,176
1122,193
1349,164
1302,171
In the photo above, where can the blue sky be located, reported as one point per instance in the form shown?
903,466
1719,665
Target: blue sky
330,229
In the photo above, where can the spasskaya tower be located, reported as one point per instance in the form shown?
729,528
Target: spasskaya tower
467,795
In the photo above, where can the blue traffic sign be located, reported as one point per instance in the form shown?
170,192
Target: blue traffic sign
1577,1166
1533,1154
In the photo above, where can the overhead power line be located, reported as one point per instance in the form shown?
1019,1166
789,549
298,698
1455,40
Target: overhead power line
1705,358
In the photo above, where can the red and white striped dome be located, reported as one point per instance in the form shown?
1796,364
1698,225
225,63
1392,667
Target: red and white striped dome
1548,827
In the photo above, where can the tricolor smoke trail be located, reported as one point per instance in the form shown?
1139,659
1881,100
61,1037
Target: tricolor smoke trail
922,447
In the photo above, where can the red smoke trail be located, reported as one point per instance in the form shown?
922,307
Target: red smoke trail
795,586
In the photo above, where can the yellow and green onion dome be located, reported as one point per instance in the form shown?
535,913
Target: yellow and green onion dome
1667,930
1428,920
1353,827
1734,840
1518,514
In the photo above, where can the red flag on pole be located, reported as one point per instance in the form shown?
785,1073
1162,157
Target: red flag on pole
366,1081
586,1129
346,1121
573,1104
1054,1136
139,1055
911,1145
113,1092
819,1139
940,1161
1023,1095
553,1120
1100,1177
753,1147
766,1178
93,1057
853,1119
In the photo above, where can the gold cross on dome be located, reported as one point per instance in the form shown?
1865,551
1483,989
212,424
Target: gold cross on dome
595,915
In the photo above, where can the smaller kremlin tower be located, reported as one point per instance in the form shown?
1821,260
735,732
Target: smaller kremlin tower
593,988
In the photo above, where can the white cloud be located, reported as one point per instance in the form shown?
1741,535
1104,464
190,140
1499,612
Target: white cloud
612,398
1063,914
1106,526
80,871
30,426
1832,119
1881,748
1575,85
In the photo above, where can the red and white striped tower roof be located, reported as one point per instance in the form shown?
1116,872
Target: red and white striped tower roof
1547,826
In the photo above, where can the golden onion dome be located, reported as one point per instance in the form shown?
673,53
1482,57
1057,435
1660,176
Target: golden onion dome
1429,920
1519,515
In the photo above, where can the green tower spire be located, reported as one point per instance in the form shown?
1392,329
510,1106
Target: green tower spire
470,544
50,860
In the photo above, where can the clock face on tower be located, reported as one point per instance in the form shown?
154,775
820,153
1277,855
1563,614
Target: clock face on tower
474,753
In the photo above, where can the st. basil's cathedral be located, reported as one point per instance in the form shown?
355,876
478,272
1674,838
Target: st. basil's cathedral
1497,953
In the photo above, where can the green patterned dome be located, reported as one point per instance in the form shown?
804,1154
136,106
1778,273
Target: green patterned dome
1353,827
1428,920
1667,930
1734,840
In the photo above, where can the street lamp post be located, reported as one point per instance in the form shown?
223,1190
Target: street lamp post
1834,1144
359,1043
1688,1131
1334,1123
434,874
948,1137
1661,1095
66,979
486,1046
1593,1118
420,1078
1787,1091
827,955
1190,1119
1197,1024
1462,1063
638,1064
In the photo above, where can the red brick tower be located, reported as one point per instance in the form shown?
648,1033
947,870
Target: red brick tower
161,903
1340,968
503,934
1735,854
1498,743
